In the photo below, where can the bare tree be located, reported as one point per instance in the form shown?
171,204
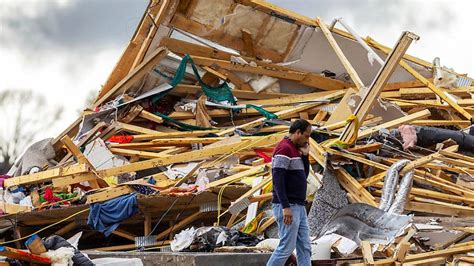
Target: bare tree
24,116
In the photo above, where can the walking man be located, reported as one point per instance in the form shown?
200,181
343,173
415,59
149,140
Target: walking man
290,168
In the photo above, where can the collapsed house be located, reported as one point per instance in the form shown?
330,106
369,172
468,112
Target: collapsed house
175,152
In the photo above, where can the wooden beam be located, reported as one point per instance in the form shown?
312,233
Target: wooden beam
438,209
150,116
177,134
420,176
440,253
438,91
367,253
109,193
191,156
248,43
342,58
136,129
394,123
183,90
305,78
47,175
67,228
141,154
147,225
138,73
162,12
186,221
401,252
373,92
123,65
124,234
354,188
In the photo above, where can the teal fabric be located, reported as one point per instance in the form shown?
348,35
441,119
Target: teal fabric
220,93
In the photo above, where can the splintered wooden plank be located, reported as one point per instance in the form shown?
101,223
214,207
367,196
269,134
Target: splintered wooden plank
420,175
141,154
372,93
281,114
354,188
136,129
432,123
367,253
109,193
160,15
438,91
150,116
75,150
342,58
139,72
305,78
11,208
46,175
441,253
183,90
192,155
394,123
438,209
233,178
248,42
177,134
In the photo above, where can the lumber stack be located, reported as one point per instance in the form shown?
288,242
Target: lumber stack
201,114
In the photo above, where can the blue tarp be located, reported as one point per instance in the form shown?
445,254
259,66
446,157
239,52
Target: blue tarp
106,217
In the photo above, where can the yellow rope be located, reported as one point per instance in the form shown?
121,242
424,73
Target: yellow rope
338,142
44,228
219,203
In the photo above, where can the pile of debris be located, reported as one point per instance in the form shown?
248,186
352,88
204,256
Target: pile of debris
182,133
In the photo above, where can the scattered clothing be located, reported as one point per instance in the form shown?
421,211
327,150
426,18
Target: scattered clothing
49,196
106,217
408,134
39,154
55,242
143,189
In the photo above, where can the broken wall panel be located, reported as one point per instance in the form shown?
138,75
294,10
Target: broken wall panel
317,49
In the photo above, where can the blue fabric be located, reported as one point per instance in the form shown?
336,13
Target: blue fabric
294,235
106,217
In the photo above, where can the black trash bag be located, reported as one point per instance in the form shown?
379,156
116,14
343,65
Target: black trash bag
55,242
207,239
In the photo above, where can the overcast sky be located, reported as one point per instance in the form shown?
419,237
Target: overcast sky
65,49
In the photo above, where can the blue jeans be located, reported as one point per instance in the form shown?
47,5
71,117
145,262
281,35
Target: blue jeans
295,235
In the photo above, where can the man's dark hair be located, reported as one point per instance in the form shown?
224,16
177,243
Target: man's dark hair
300,124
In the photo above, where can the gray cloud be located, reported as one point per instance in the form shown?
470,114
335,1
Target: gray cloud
80,26
377,13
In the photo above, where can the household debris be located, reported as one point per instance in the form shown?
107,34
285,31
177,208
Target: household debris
182,132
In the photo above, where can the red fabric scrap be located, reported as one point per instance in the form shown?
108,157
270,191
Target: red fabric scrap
261,153
121,139
49,196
